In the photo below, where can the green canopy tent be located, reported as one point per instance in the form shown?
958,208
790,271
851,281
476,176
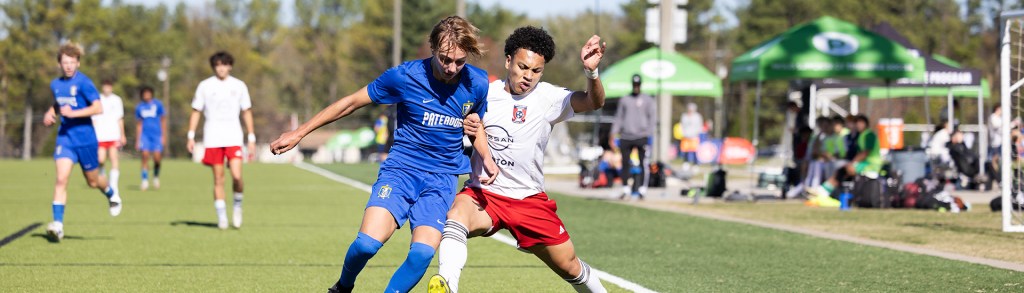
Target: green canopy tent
663,73
825,48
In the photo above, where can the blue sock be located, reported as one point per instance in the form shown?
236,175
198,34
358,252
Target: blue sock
58,212
145,175
412,269
361,250
109,192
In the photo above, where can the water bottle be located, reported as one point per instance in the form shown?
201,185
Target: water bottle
845,196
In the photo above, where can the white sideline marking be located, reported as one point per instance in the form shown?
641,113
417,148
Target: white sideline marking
625,284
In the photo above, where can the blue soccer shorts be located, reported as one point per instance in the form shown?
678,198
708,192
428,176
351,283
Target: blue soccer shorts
150,143
423,198
86,156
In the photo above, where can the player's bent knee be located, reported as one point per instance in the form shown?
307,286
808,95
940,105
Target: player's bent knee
420,255
366,245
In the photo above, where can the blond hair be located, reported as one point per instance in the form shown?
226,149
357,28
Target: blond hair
70,49
457,31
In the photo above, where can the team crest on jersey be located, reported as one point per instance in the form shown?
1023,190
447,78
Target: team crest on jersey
74,90
384,192
519,114
466,107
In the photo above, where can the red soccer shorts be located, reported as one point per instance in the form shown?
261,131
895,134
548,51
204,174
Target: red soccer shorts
216,156
109,144
532,220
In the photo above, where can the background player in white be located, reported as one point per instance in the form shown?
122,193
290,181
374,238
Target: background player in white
221,99
520,114
110,130
75,99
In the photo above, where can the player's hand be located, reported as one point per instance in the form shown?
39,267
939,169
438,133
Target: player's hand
138,144
592,53
190,145
491,171
163,140
251,151
66,111
471,124
124,141
48,119
285,142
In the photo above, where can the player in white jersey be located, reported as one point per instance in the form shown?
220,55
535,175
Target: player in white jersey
221,99
520,114
110,130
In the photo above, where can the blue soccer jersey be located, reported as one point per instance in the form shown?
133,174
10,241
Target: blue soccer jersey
78,92
150,114
429,132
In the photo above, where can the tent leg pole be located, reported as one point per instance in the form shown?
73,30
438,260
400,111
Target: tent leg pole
982,134
754,140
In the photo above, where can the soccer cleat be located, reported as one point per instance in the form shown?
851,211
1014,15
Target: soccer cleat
55,231
236,218
438,284
222,223
337,288
144,185
115,204
156,183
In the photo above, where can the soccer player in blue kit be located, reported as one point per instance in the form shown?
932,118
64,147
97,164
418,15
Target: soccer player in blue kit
75,100
150,136
418,180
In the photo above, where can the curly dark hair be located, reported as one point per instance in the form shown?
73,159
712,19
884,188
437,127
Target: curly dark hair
531,38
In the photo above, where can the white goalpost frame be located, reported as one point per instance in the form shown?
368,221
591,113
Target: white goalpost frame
1008,19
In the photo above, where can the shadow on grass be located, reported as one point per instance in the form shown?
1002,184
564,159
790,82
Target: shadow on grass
195,224
70,237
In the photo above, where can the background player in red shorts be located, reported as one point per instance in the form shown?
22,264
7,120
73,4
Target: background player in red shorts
110,130
221,99
520,114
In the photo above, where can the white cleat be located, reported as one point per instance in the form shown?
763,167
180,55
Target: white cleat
156,183
222,223
144,185
55,231
236,218
115,204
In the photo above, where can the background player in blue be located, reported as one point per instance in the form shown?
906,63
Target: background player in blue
75,100
150,137
418,180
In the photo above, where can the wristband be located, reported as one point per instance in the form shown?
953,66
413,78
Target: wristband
252,137
590,74
191,134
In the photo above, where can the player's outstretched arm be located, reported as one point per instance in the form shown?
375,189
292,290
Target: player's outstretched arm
193,122
479,140
335,111
593,97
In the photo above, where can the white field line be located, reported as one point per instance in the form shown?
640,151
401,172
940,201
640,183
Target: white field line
625,284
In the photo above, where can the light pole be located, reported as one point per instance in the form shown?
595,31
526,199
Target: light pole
162,75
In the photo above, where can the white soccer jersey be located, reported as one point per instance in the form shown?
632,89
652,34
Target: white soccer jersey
105,123
518,128
221,102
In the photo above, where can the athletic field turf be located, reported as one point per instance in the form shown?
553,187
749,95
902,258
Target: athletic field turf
298,225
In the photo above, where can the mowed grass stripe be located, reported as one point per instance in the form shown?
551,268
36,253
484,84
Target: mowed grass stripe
296,226
672,252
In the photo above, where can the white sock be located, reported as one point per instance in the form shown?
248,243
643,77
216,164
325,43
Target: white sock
238,200
451,253
222,214
115,174
586,282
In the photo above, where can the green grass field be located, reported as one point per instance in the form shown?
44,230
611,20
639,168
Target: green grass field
298,225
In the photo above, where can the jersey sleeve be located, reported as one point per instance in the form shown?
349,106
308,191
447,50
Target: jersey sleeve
199,101
160,109
89,92
561,108
246,101
138,112
386,89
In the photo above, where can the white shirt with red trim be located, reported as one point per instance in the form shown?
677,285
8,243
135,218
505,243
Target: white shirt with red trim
518,128
222,102
107,128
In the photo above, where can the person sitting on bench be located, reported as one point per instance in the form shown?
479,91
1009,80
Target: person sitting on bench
867,161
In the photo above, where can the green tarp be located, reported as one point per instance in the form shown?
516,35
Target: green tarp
674,73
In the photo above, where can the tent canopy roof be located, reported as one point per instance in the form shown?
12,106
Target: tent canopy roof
672,72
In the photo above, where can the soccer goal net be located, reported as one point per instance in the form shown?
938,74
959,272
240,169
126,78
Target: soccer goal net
1011,164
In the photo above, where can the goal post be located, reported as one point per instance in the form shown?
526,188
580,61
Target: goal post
1011,70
